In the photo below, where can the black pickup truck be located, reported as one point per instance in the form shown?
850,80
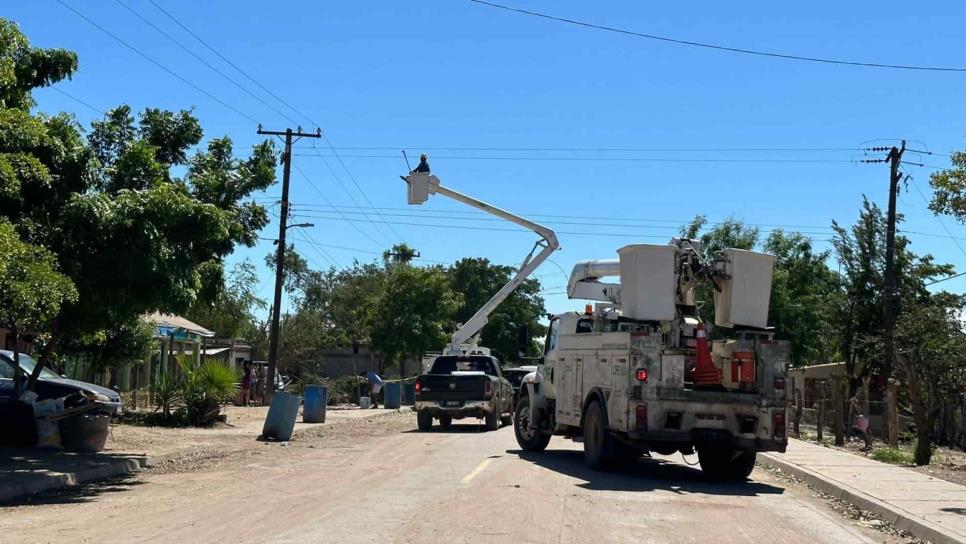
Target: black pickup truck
459,386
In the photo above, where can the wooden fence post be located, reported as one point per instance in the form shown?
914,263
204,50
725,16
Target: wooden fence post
838,412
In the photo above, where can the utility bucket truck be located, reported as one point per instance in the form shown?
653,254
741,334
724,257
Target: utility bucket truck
636,372
466,380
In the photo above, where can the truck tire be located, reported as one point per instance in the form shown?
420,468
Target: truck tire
445,422
492,420
600,448
424,420
506,420
723,463
528,439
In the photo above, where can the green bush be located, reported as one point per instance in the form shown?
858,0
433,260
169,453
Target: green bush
893,456
194,396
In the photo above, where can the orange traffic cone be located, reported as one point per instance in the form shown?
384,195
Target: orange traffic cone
705,372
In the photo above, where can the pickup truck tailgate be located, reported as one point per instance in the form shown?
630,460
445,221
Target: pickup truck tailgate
447,387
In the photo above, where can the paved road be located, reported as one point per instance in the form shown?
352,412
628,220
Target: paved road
447,487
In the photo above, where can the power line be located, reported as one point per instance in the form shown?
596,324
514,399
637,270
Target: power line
934,282
227,60
601,149
496,229
938,219
676,222
784,56
592,159
318,249
156,63
319,191
348,193
78,100
556,222
203,61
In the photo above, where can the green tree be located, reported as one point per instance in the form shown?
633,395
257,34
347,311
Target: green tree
805,294
231,314
399,254
477,280
31,288
130,235
932,358
414,313
949,188
103,350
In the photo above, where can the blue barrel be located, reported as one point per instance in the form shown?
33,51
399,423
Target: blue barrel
409,393
282,414
392,394
313,408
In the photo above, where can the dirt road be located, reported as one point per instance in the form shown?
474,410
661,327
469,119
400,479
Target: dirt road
380,481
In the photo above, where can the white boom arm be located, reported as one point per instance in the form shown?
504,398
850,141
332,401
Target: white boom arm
421,185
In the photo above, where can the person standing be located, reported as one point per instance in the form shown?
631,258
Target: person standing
375,386
246,384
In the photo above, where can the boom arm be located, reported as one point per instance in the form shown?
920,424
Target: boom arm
421,185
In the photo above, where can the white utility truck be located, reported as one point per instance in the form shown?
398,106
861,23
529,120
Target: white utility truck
634,373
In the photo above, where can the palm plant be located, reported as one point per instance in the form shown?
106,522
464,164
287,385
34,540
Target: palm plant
167,393
204,388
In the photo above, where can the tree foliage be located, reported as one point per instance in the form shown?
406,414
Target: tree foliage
131,235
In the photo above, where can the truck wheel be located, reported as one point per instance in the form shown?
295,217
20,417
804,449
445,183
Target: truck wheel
424,420
600,448
722,463
492,420
445,422
506,420
528,439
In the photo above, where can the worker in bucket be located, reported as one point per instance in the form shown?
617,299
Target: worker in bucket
423,167
375,386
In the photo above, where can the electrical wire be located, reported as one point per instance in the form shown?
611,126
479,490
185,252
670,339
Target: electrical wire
603,149
156,63
592,159
78,100
348,193
203,61
705,45
321,194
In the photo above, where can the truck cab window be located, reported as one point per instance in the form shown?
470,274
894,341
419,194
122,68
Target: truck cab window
585,325
552,334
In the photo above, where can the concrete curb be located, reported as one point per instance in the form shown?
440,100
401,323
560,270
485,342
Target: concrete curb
902,519
59,480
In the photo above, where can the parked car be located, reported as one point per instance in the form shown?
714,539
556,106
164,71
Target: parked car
459,386
51,385
515,376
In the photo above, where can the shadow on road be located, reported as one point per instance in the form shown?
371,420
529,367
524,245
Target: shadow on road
647,475
955,510
86,492
455,428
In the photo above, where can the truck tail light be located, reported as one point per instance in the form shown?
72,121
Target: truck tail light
642,374
780,384
640,414
488,389
778,423
419,387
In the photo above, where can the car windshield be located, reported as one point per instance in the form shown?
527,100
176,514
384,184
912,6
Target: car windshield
27,364
448,365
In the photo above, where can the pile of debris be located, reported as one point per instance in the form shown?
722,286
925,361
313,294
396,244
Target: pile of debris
77,422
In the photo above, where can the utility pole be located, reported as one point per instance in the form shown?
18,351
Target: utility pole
889,309
289,134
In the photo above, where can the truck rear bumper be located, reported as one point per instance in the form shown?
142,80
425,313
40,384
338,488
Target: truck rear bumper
699,436
470,408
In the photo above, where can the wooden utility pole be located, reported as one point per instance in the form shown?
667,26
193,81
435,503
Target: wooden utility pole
289,134
889,308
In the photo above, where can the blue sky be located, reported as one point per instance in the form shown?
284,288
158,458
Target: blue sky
382,76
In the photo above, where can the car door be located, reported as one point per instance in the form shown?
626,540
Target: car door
7,389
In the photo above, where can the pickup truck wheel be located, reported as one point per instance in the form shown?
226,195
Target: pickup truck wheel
722,463
492,420
600,448
528,439
424,420
445,422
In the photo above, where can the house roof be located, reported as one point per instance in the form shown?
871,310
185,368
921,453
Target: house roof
177,322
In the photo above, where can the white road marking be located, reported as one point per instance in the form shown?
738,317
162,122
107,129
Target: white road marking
476,471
